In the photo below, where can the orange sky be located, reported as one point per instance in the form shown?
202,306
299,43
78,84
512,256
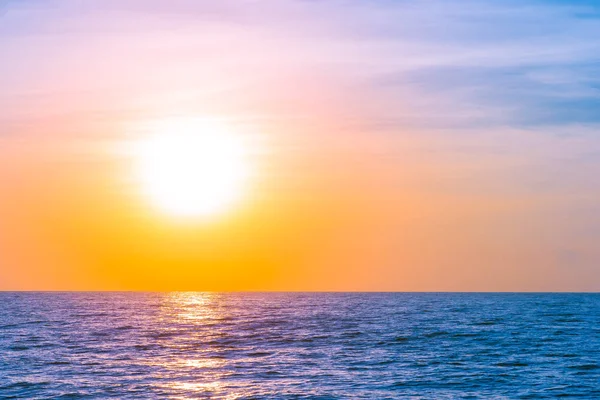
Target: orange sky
322,216
360,184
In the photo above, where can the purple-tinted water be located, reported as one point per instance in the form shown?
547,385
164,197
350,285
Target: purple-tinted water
299,345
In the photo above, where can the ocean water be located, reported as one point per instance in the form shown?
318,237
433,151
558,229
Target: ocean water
299,345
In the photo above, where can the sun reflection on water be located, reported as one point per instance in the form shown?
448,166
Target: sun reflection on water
189,322
193,306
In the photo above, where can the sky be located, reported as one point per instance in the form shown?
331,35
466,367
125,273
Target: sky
398,145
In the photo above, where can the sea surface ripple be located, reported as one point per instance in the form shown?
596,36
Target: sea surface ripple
299,345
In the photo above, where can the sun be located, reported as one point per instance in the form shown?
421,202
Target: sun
192,167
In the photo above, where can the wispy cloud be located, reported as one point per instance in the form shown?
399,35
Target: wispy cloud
469,63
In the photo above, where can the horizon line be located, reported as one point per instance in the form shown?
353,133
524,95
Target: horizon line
302,291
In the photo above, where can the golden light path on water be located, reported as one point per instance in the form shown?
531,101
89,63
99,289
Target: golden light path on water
193,313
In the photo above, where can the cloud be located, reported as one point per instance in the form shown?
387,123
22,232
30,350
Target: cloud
428,64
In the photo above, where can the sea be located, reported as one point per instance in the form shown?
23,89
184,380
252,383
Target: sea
195,345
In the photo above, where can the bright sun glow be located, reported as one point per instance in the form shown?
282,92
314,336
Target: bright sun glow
192,167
